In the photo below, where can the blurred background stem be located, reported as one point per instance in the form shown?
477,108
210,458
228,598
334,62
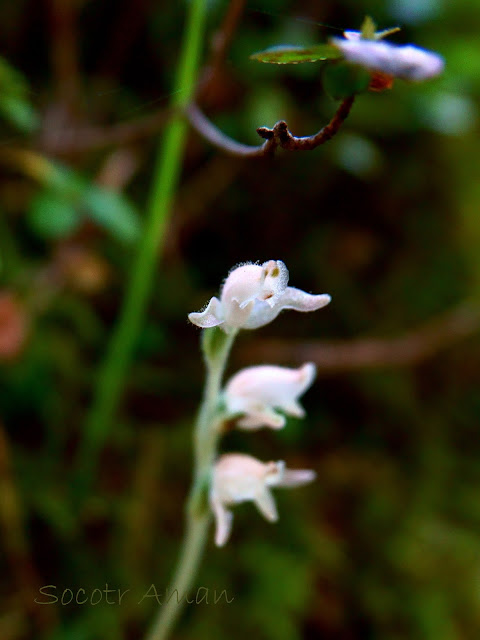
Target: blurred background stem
112,373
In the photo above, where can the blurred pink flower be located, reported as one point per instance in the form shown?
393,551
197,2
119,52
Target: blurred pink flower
255,392
240,478
14,326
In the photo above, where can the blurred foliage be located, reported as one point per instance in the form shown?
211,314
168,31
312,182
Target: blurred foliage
15,105
285,54
386,545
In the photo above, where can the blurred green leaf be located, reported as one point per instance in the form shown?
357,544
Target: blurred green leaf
11,80
65,181
71,197
112,211
52,216
19,112
286,54
14,103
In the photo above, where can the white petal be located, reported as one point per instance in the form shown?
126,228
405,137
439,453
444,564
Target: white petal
294,408
275,282
262,313
264,417
352,35
211,316
255,392
248,284
224,520
237,313
266,505
407,62
418,64
280,476
243,285
299,300
296,478
291,298
304,377
238,477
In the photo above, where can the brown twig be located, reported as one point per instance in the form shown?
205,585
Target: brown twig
221,43
92,138
279,136
64,112
77,140
64,52
217,138
290,142
351,355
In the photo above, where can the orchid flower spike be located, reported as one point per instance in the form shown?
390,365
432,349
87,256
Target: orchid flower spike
253,295
407,62
239,478
256,392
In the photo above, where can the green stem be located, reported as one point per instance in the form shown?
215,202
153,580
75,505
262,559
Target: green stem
119,352
189,560
198,511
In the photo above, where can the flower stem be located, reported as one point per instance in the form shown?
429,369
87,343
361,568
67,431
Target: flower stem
198,511
189,560
119,351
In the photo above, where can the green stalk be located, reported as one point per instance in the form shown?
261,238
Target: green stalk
113,371
216,348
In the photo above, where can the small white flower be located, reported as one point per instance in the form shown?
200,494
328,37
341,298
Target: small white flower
253,295
256,392
407,62
239,478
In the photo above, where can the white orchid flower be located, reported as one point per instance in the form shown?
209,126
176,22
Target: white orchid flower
240,478
255,393
253,295
407,62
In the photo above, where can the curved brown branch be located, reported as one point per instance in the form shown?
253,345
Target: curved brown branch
351,355
82,139
279,136
221,42
63,42
217,138
92,138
